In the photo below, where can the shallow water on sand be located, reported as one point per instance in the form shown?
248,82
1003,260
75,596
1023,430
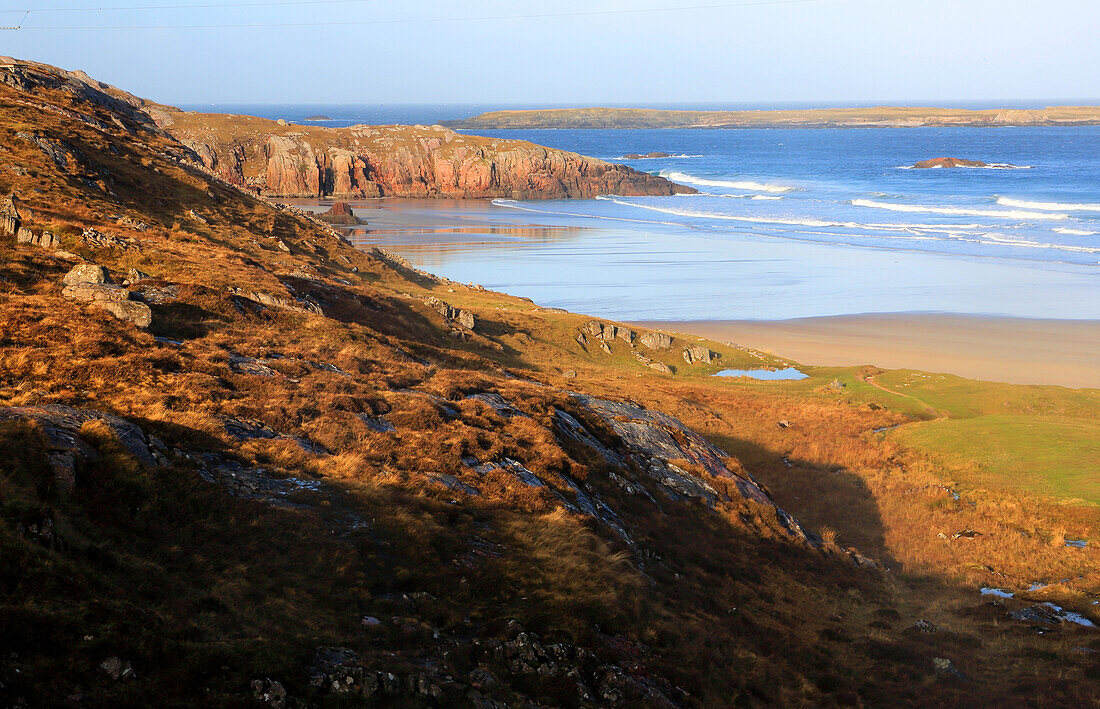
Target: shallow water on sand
654,271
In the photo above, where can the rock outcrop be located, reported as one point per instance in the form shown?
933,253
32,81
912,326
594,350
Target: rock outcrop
463,317
10,216
656,341
89,283
698,354
66,448
398,161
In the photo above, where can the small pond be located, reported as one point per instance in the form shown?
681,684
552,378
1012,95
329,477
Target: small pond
769,375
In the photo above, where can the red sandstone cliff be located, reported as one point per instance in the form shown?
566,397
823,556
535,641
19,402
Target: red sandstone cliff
399,161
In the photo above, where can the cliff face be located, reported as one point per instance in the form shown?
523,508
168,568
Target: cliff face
397,161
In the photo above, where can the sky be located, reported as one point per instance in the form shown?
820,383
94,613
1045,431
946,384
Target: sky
836,52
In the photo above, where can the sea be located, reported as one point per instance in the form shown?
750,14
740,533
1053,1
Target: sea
786,223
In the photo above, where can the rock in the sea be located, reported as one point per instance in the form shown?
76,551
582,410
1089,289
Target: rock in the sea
636,156
948,162
340,214
656,341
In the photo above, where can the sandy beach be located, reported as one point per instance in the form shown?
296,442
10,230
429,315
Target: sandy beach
1014,350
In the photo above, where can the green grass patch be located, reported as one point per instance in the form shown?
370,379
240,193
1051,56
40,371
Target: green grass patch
1050,455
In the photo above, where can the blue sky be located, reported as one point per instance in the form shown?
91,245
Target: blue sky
836,51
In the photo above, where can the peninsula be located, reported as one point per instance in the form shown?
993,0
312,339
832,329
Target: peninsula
875,117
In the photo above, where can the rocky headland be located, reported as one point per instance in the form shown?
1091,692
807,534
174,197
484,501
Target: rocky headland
396,161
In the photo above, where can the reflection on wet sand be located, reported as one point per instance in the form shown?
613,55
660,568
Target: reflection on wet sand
424,230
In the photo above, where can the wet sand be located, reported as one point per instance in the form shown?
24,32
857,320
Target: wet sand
1014,350
432,233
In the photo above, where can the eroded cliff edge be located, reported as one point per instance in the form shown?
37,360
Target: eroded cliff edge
281,160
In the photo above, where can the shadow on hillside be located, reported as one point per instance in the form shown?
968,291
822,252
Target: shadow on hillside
818,496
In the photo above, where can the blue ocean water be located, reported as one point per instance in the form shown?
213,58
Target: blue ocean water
1039,201
788,223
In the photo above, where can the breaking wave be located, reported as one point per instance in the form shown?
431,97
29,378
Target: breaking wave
1054,206
959,211
677,176
989,166
1075,232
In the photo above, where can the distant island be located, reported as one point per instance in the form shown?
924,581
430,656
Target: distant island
876,117
318,118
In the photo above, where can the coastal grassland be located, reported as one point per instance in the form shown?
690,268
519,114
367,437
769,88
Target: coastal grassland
1053,456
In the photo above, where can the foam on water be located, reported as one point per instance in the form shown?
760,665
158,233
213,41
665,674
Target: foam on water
1051,206
958,211
732,217
1075,232
677,176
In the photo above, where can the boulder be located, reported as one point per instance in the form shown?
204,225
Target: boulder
297,305
24,236
95,292
660,367
130,310
656,341
945,668
87,273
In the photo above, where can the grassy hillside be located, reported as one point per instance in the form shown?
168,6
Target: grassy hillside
307,478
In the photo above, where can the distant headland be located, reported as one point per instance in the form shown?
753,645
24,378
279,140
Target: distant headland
876,117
